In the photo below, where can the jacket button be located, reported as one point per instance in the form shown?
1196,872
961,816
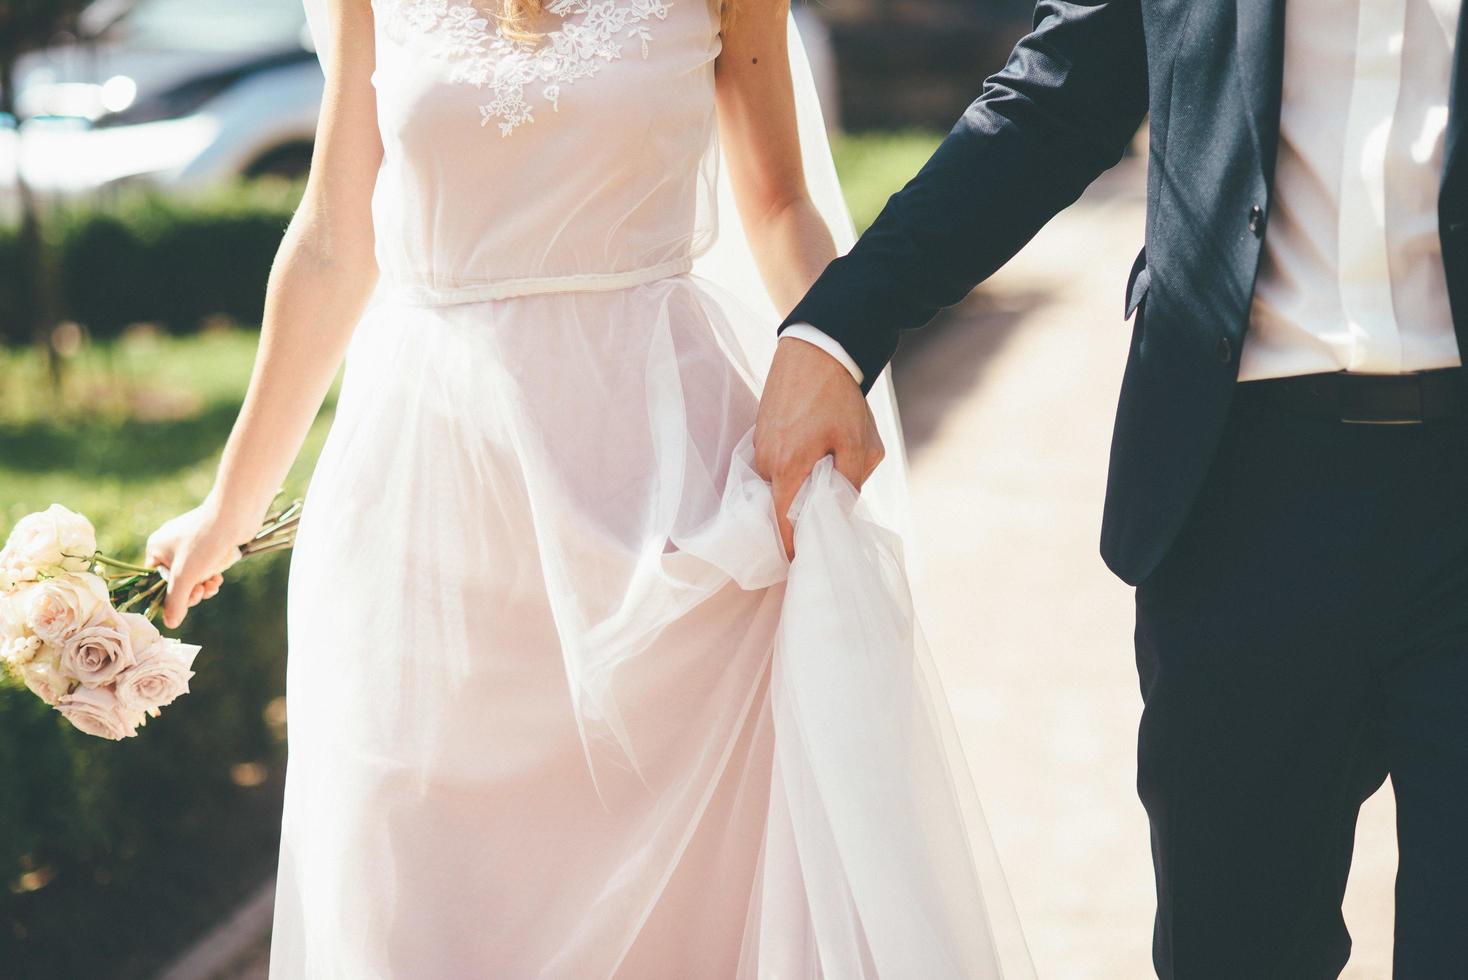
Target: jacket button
1225,350
1256,220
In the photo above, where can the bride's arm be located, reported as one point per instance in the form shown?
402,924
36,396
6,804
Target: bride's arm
761,143
791,243
320,282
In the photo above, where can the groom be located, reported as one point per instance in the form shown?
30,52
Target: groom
1289,473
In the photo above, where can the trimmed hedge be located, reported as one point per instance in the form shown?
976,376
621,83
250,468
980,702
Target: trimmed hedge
177,262
173,262
117,853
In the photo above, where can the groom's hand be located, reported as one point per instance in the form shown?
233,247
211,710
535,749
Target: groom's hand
811,408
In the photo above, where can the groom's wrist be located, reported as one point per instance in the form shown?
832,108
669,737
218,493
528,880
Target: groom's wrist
819,338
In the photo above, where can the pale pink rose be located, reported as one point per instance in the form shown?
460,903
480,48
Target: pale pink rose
105,646
57,607
44,678
96,711
54,539
161,675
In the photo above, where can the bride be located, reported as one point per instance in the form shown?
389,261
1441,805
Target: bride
559,705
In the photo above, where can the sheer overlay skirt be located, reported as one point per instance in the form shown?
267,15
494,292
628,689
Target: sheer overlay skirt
558,707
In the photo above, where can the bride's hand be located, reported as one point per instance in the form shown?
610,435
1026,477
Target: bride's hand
196,547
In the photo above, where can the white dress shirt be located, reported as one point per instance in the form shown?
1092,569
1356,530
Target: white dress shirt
1352,274
827,343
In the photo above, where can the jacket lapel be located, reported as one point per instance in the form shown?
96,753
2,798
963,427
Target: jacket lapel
1260,26
1453,152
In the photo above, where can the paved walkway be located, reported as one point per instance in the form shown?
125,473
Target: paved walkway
1008,407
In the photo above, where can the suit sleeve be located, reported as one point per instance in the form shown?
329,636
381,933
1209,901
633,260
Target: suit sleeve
1060,113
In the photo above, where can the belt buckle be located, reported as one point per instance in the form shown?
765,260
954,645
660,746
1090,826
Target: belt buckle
1411,414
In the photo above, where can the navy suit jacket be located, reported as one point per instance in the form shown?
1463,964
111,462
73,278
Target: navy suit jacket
1061,112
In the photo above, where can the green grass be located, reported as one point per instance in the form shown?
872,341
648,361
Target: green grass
875,165
133,436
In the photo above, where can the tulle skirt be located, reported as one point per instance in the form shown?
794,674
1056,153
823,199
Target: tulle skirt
558,706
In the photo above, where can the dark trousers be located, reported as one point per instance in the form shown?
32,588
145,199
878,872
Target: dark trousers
1306,637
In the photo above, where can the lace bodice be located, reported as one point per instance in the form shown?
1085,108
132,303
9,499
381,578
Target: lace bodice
510,165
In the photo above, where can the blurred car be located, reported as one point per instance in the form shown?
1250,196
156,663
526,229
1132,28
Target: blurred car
183,94
176,93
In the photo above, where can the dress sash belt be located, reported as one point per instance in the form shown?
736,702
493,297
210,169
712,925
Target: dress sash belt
436,294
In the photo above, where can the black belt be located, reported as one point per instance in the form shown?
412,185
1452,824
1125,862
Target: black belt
1370,399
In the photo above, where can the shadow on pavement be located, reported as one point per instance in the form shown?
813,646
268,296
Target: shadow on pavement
943,362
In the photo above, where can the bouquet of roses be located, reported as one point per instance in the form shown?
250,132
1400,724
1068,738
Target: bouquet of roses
77,626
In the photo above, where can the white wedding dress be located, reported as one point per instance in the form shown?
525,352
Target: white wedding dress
558,707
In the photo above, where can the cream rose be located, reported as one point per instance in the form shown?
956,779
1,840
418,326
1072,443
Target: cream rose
161,674
17,644
56,608
53,539
21,650
12,575
96,711
106,646
43,676
16,571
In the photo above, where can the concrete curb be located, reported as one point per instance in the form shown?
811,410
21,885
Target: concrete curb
227,943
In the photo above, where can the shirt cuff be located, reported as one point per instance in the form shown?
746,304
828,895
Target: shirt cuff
819,338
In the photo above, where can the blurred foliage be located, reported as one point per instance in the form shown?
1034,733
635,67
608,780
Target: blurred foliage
29,24
175,262
113,856
139,846
29,287
875,165
180,262
14,323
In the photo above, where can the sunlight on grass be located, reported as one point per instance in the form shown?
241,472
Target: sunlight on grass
875,165
133,436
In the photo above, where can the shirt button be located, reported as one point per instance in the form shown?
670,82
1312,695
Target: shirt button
1225,350
1256,220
